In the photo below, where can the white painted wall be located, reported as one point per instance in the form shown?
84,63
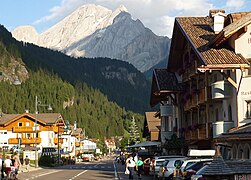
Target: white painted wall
243,95
47,139
243,44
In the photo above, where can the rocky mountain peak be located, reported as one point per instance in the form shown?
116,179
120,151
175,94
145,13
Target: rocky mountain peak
95,31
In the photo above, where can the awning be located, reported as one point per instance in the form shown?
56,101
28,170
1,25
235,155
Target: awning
145,144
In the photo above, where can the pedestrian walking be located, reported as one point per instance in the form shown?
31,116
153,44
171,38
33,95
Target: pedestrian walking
147,166
130,164
27,164
139,167
17,164
7,166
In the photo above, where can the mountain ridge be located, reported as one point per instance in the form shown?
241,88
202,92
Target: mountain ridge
95,31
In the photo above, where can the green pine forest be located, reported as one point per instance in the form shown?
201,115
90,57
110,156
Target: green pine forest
66,85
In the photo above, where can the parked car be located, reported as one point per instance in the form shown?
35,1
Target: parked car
86,159
193,168
158,161
169,167
198,175
16,149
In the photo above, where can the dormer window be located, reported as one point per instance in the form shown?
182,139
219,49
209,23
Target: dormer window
218,19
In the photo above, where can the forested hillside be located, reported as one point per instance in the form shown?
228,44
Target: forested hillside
120,81
89,107
63,88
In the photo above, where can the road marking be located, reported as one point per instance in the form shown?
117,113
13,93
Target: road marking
115,172
44,174
78,174
96,165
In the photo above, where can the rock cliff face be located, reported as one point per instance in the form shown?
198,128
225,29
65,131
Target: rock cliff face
94,31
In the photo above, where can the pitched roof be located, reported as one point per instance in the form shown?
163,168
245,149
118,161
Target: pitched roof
240,20
163,82
242,132
167,81
218,167
152,122
240,166
45,118
198,32
76,131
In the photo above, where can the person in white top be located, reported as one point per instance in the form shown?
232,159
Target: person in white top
130,164
7,166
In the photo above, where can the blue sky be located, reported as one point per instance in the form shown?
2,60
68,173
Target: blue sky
158,15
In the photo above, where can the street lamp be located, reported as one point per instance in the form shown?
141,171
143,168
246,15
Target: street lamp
38,103
66,128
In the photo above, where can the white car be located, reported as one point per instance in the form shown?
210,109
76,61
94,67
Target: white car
159,160
170,165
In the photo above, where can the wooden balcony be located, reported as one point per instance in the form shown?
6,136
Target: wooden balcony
189,71
201,96
191,135
194,101
25,140
187,105
202,131
55,129
56,140
25,129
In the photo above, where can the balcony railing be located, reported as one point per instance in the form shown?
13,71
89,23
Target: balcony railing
187,105
190,71
24,129
25,140
221,89
220,127
166,110
202,131
201,96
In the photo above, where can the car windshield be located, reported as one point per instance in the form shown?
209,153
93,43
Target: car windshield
160,162
196,166
202,170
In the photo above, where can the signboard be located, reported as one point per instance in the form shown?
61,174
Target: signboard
30,154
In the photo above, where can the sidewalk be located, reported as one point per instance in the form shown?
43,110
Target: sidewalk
31,168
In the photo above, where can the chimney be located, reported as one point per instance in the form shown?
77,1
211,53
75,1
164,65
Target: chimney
218,19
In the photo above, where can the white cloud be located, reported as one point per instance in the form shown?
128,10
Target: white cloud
158,15
235,4
59,12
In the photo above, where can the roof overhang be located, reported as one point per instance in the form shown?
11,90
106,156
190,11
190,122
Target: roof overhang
160,93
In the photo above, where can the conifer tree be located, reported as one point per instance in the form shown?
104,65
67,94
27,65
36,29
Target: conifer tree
134,132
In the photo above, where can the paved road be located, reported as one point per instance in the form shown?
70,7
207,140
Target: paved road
103,170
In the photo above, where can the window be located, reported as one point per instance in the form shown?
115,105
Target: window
230,113
20,124
27,123
248,106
